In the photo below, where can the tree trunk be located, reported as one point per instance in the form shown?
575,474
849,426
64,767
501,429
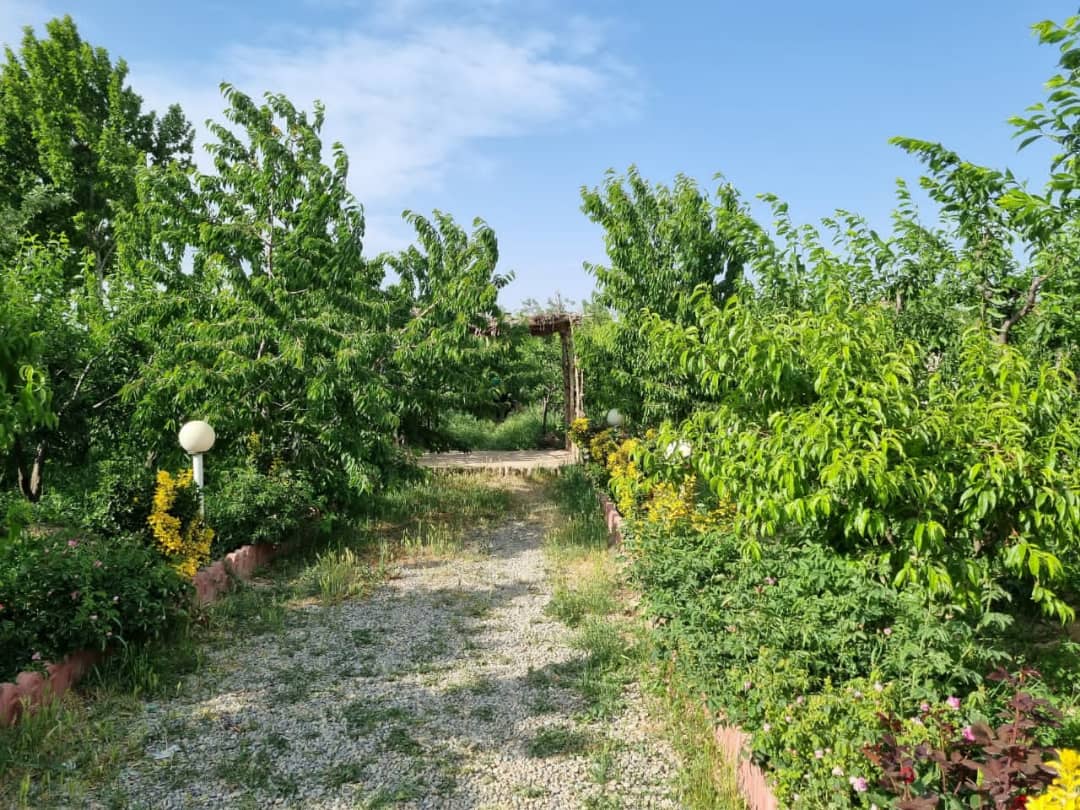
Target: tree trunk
30,484
568,382
543,429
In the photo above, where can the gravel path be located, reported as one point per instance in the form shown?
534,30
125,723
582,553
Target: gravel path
448,688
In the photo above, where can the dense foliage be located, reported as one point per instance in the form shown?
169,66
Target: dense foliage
138,291
63,591
852,468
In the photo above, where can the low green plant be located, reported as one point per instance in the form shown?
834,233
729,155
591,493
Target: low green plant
573,602
64,591
339,574
245,506
521,430
557,741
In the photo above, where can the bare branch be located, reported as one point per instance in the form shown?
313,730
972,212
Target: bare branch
1029,304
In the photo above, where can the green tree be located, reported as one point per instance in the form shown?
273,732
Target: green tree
25,398
450,335
72,134
827,419
662,244
279,332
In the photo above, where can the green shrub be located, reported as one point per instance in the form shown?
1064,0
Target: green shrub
964,483
120,498
805,647
521,430
65,591
245,506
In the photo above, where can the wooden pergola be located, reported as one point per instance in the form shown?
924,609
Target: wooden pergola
563,324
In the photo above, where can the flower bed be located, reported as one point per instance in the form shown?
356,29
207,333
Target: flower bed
31,688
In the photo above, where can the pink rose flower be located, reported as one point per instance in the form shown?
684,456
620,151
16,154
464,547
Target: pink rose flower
35,657
859,783
953,702
887,631
819,754
968,734
73,543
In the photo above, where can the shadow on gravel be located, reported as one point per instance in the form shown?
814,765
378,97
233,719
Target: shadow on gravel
404,699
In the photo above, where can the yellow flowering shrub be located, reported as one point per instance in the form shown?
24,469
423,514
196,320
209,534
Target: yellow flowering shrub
1064,793
179,531
602,445
627,482
579,430
669,507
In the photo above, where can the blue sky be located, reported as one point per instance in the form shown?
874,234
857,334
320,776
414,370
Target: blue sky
505,109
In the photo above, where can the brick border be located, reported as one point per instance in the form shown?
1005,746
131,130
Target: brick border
731,740
32,689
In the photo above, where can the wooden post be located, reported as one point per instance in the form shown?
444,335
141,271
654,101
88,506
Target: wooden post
568,381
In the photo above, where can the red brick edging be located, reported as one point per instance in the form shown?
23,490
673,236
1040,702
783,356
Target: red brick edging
731,740
32,689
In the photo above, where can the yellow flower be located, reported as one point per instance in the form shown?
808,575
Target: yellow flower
187,547
1064,793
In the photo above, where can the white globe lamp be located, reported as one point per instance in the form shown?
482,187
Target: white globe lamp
196,438
614,418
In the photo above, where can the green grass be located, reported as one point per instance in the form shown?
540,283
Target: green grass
521,430
707,781
340,574
587,596
456,501
363,717
556,741
572,601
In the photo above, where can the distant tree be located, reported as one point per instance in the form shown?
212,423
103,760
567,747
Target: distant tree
662,243
450,335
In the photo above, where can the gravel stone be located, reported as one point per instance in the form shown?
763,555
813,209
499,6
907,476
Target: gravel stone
426,695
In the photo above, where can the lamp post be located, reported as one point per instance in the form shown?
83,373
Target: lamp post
196,438
614,418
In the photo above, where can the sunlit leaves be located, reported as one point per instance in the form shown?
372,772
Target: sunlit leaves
827,419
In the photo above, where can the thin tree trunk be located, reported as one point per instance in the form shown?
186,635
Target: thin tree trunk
1029,304
30,484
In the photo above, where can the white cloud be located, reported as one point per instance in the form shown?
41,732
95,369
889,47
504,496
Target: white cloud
411,103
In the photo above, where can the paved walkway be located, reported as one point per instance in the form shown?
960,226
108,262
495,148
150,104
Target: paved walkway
501,461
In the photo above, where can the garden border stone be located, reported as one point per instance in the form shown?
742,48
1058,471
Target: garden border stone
731,740
31,689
